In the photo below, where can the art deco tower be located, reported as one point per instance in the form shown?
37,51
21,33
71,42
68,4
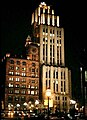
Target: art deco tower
54,74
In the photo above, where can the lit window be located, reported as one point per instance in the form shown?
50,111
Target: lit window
10,85
23,80
17,85
10,91
36,92
32,87
16,98
36,87
29,86
28,91
23,74
17,73
11,79
23,91
32,92
23,86
17,68
23,69
11,73
17,91
17,79
11,67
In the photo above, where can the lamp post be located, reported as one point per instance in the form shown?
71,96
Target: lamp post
48,94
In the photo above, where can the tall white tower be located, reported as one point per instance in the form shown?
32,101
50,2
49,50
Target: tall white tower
54,74
51,36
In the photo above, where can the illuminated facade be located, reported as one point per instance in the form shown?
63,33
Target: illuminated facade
54,74
22,78
44,66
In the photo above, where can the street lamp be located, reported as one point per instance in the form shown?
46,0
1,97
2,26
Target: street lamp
48,94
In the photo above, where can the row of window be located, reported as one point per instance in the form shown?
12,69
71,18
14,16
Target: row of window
45,39
55,85
17,91
17,62
52,53
31,69
51,31
23,74
22,86
17,79
63,98
55,74
22,80
23,63
16,98
53,22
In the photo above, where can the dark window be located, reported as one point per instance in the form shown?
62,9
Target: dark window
61,83
54,87
56,98
33,70
57,87
50,30
46,49
16,98
50,40
53,31
10,98
49,84
56,74
46,74
11,67
23,98
33,81
18,62
64,75
43,29
50,21
64,86
43,39
45,20
23,63
33,64
12,61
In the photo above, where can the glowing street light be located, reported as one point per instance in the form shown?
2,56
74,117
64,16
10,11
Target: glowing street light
48,94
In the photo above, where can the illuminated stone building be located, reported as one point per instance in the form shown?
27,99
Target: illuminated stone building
44,66
22,78
54,74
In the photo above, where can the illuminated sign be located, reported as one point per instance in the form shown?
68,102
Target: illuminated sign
50,103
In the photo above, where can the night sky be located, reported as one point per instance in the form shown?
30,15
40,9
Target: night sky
15,27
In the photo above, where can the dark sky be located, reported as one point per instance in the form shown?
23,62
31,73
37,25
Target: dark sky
16,20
